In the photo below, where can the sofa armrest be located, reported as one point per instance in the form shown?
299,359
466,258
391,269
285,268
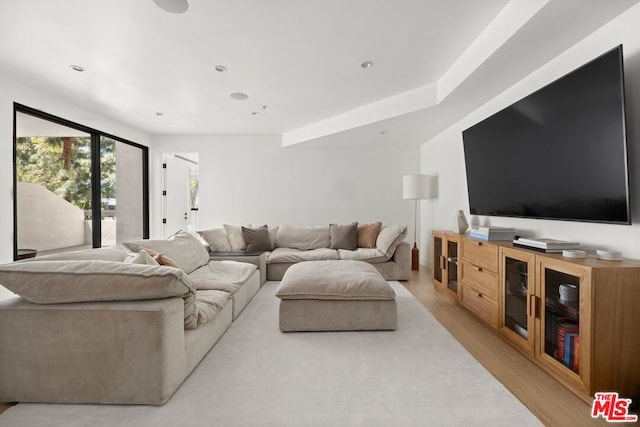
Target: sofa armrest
402,258
130,352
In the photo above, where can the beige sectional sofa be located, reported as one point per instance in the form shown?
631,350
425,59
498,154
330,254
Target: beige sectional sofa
111,325
285,245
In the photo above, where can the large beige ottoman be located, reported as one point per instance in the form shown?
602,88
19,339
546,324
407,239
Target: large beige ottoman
335,296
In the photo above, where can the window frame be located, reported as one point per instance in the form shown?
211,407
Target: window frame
95,172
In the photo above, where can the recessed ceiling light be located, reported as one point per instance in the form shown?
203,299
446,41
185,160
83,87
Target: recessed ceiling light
366,64
77,68
254,113
221,68
173,6
239,96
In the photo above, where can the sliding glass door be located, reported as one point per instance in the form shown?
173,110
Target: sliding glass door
75,187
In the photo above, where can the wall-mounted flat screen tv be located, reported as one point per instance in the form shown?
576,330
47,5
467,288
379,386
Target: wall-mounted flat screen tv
560,153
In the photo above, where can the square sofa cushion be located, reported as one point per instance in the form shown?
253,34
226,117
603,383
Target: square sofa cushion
184,249
236,240
344,236
390,237
217,239
304,238
368,234
334,280
256,239
55,282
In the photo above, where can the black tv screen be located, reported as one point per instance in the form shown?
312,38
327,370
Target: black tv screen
560,153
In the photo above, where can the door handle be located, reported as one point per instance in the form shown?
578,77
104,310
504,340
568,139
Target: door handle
532,306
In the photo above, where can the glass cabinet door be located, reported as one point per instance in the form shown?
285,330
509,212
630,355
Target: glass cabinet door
436,255
517,311
452,266
515,296
562,318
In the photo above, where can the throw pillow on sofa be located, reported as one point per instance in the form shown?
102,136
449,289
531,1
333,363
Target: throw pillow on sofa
217,239
303,238
234,234
161,259
257,239
390,237
368,234
141,257
184,249
344,236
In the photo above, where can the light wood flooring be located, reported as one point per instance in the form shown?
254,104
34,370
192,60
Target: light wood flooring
546,398
551,402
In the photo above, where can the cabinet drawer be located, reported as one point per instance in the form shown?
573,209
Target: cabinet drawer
484,281
482,254
479,304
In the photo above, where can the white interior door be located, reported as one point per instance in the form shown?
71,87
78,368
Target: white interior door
176,194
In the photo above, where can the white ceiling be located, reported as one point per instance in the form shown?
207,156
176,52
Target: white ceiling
434,61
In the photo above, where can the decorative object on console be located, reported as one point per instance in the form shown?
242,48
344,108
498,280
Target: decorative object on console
574,253
460,223
492,233
416,187
609,255
544,245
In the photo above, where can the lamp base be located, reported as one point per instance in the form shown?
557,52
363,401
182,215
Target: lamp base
415,257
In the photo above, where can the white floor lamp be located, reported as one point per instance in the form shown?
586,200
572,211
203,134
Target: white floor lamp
416,187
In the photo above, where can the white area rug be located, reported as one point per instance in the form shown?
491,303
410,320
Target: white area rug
418,375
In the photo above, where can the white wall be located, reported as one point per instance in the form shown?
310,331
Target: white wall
252,179
443,155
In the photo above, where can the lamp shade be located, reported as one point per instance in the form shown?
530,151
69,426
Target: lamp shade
417,187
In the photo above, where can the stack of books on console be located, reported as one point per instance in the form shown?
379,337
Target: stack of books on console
492,233
545,245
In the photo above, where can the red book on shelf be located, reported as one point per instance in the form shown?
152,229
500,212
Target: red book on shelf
563,329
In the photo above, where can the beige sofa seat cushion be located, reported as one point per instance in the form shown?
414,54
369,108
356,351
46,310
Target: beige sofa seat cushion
209,303
225,276
334,280
297,255
184,249
363,254
304,238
